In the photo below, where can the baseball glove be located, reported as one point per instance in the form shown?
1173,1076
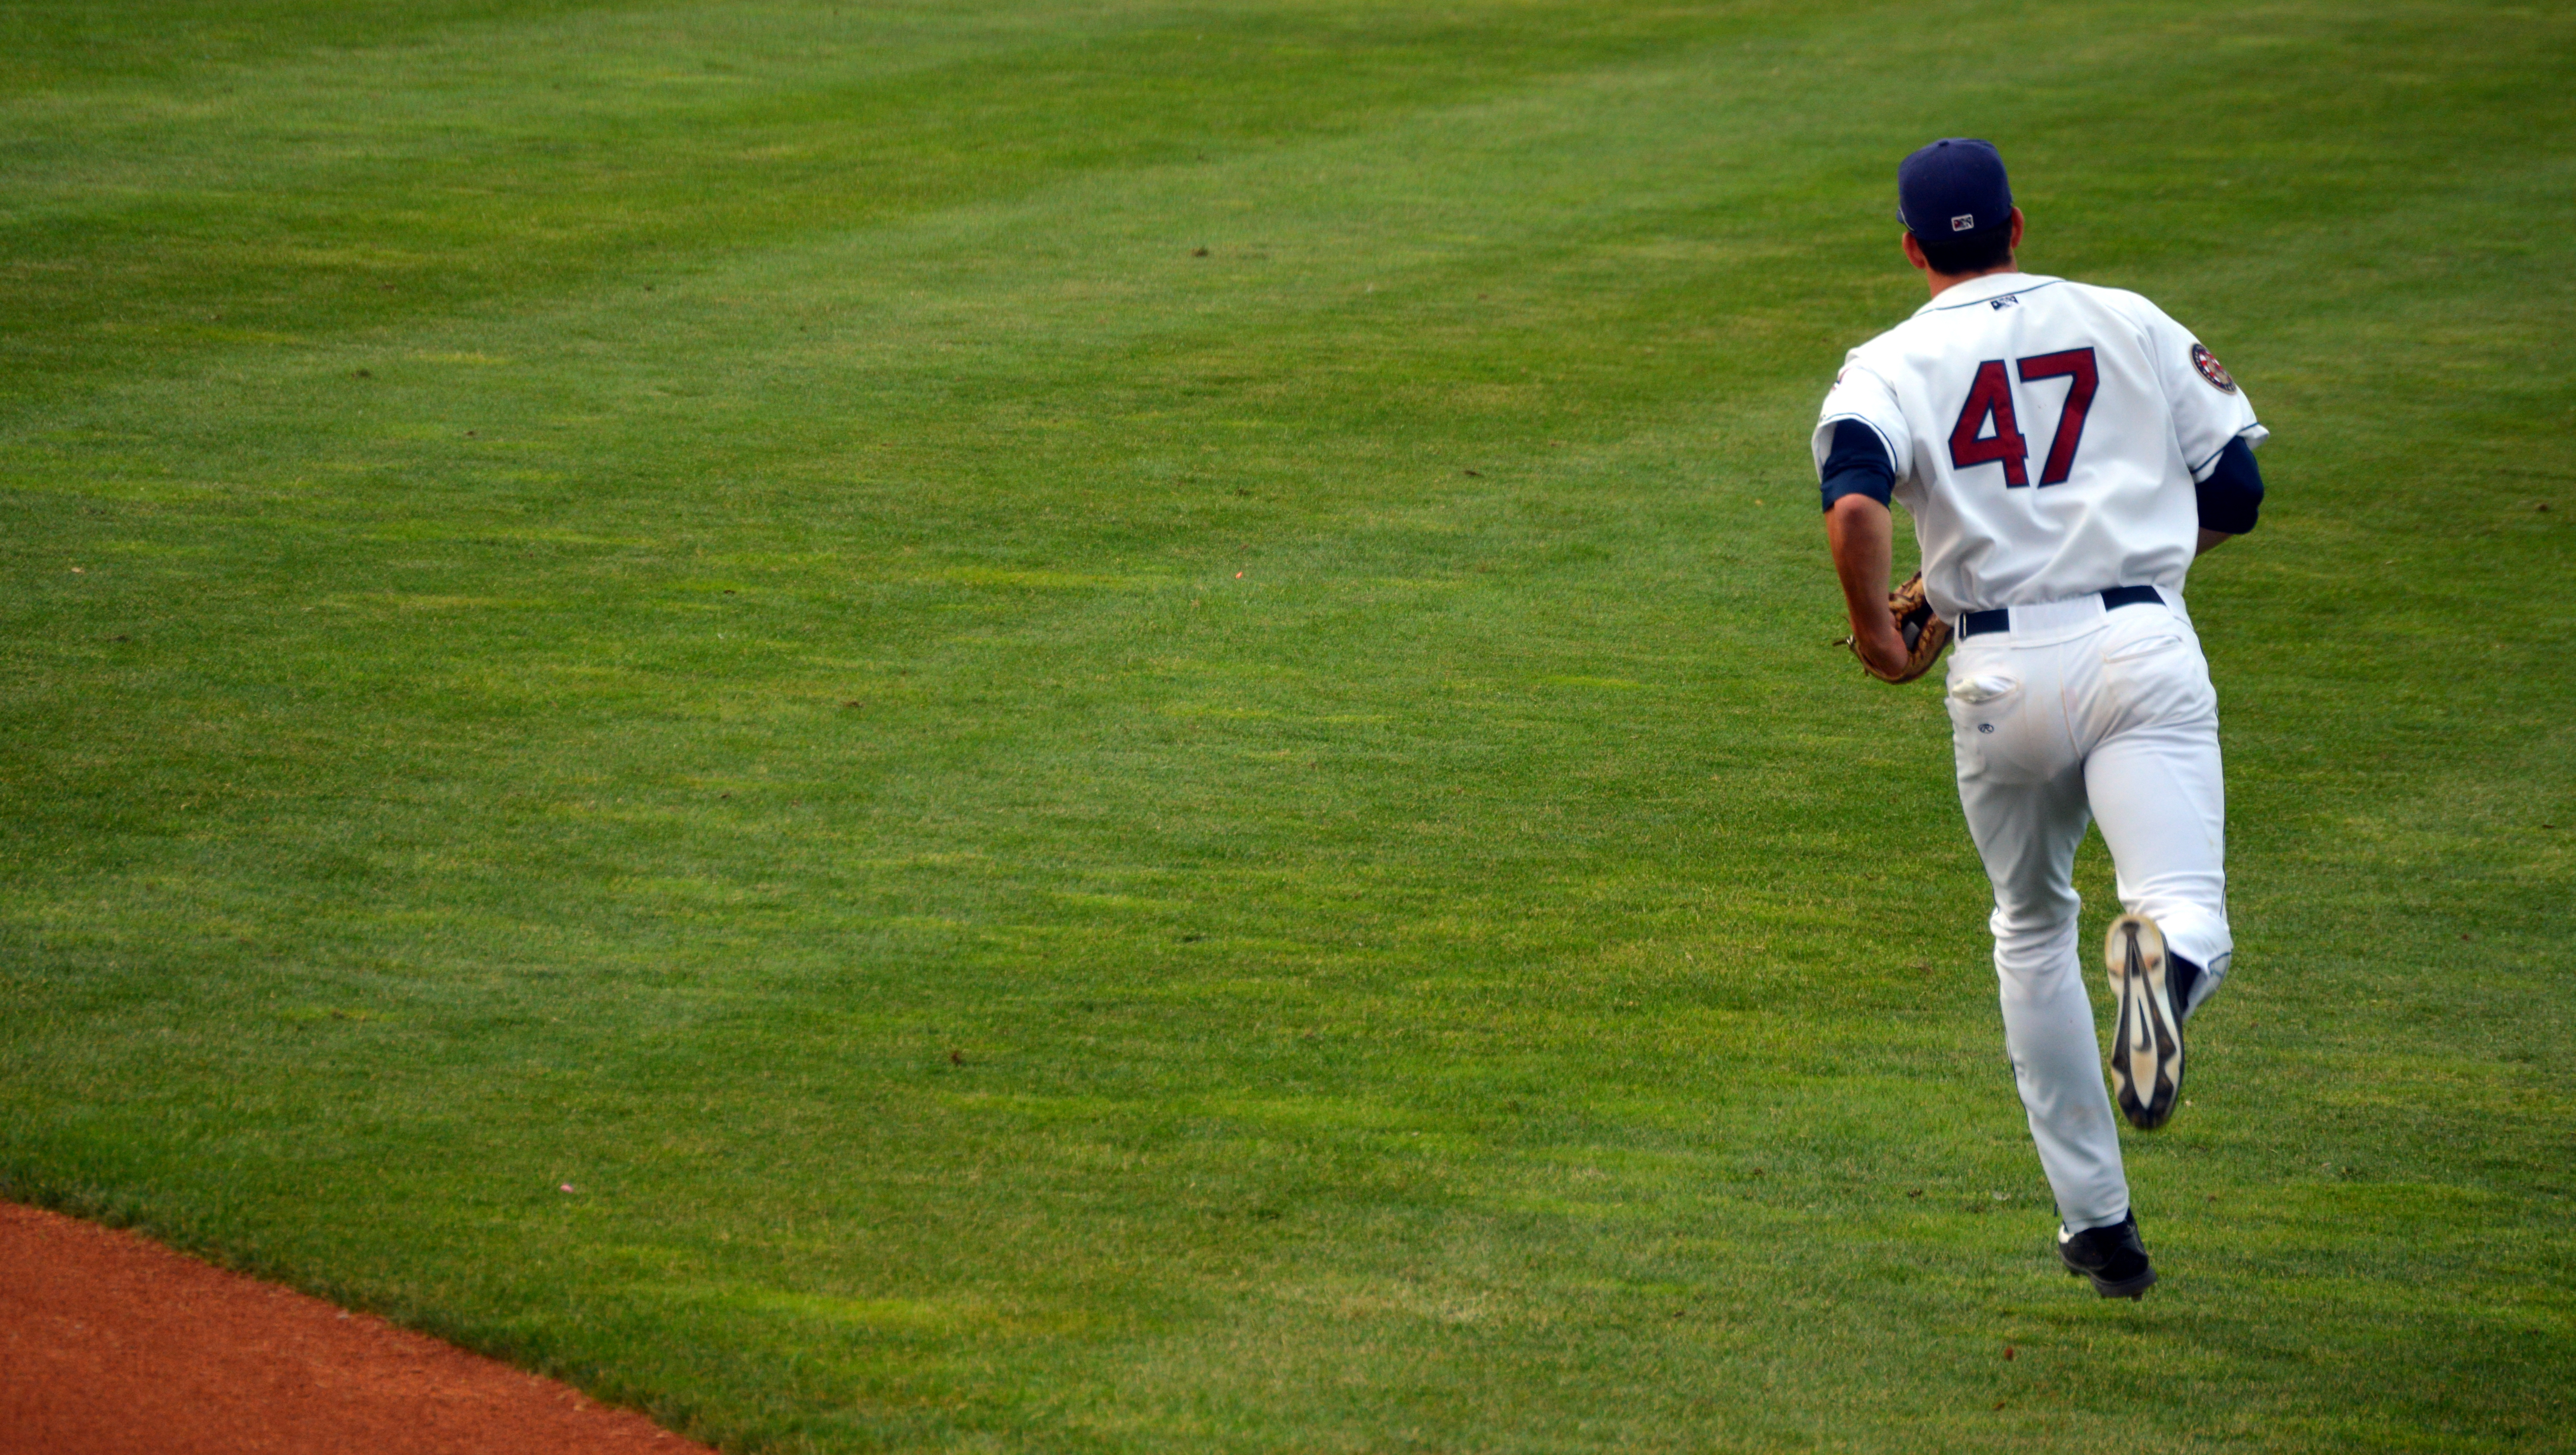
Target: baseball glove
1924,631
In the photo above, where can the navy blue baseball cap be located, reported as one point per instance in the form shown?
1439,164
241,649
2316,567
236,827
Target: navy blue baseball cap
1953,187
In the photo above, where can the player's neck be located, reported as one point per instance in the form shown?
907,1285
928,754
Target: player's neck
1941,283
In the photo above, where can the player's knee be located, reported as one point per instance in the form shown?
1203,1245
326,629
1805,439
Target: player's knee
2032,924
2196,930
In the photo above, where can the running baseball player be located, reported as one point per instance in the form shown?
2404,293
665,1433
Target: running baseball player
2065,452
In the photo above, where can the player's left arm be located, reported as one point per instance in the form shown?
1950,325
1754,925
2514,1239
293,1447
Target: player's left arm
1858,445
1857,479
1862,536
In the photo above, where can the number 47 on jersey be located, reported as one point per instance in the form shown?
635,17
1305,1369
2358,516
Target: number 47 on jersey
1990,402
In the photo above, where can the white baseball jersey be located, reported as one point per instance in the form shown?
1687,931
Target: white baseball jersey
2045,435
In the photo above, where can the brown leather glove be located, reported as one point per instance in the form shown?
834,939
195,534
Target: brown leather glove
1925,633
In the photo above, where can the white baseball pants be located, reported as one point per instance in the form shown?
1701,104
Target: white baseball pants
2082,713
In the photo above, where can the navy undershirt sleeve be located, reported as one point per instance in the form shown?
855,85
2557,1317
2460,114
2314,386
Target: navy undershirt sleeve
2233,494
1857,465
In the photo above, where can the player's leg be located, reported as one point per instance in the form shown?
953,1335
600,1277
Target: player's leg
2023,792
2155,783
2159,791
2162,805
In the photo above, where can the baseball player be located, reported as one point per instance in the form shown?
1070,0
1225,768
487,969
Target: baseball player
2065,452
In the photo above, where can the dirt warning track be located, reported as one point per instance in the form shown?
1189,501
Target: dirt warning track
110,1344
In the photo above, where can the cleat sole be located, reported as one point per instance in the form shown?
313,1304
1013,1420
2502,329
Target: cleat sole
2147,1050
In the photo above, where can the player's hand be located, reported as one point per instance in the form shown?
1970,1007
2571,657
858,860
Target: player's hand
1882,650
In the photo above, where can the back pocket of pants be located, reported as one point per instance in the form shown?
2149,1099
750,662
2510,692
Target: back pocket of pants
2143,647
2158,677
1985,717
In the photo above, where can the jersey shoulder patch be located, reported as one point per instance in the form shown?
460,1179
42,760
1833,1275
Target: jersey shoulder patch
2212,370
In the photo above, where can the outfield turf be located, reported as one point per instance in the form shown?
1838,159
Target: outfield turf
1053,727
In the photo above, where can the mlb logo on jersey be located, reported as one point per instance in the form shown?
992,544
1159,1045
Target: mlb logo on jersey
2210,369
1964,222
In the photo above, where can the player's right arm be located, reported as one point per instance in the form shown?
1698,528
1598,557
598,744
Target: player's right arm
2213,423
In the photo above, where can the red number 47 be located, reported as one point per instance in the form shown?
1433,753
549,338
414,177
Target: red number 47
1990,400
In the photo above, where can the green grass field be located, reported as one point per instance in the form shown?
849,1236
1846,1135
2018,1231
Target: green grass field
1114,720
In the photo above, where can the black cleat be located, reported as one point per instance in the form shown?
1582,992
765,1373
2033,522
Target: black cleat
2112,1257
2146,1056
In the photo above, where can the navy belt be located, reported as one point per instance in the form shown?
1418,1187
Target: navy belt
1978,623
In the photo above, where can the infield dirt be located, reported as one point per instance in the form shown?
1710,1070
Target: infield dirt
110,1344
